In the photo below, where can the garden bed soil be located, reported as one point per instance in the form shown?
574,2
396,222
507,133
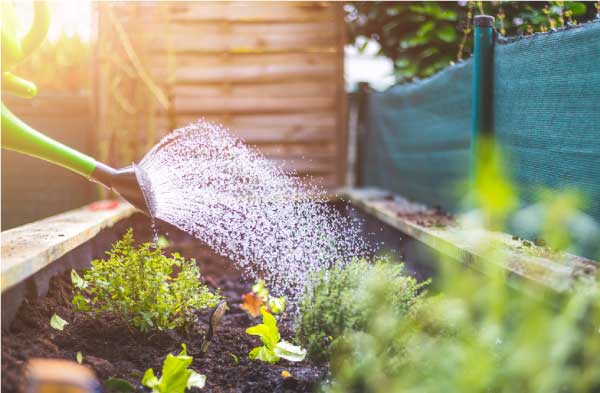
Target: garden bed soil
112,349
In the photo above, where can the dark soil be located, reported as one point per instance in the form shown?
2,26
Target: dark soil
436,218
112,349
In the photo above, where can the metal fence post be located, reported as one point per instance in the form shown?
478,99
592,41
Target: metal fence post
483,75
361,131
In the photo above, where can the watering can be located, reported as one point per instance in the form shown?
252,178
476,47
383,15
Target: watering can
20,137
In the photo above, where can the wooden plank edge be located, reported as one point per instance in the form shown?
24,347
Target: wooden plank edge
559,271
24,253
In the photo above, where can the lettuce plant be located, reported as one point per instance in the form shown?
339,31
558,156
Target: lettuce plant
175,376
273,348
146,288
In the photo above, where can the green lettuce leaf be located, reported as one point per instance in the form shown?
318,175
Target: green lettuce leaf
77,280
57,322
288,351
263,353
175,376
196,380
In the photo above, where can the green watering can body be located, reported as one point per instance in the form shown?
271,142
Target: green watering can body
20,137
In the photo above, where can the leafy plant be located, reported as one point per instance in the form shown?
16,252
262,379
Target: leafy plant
252,302
478,335
339,300
175,376
57,322
273,347
421,38
143,286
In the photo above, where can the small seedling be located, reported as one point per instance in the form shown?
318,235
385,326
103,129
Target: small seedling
175,376
79,357
236,360
57,322
273,348
215,318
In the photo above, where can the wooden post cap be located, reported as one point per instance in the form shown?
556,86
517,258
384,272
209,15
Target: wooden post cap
59,376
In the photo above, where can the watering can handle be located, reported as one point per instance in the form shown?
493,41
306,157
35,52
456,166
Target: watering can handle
39,28
16,134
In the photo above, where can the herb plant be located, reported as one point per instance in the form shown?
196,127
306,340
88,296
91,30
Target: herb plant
273,348
478,335
175,376
146,288
339,300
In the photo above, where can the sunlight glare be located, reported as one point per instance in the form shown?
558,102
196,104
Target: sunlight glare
71,17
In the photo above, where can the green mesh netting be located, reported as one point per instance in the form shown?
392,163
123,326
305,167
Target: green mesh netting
415,138
546,117
547,112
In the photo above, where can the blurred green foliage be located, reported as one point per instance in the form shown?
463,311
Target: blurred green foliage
475,331
424,37
340,300
478,335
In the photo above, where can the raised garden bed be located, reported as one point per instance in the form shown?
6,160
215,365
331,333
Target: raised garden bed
36,284
113,350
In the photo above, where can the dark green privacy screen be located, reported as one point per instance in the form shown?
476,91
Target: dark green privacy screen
546,109
415,138
545,114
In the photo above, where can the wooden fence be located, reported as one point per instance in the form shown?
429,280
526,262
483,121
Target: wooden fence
272,72
33,189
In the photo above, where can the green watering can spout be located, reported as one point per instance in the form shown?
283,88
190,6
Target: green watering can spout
20,137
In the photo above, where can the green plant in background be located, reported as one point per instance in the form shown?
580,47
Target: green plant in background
342,300
479,335
146,288
176,377
273,348
421,38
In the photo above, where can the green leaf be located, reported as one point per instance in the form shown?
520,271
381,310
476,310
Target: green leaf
263,353
259,289
276,304
149,380
196,380
291,352
175,374
267,331
57,322
81,303
183,350
577,7
118,385
77,281
446,33
79,357
162,242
